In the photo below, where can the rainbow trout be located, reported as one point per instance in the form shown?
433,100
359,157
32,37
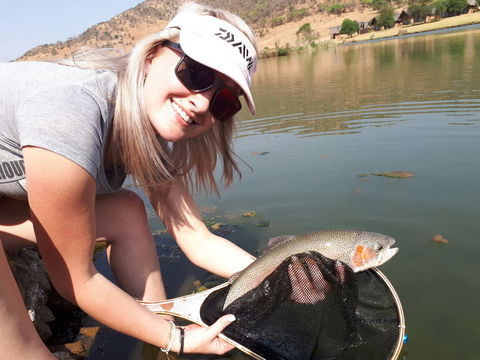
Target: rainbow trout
360,250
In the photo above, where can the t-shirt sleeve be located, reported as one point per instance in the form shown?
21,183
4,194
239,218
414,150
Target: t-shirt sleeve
67,121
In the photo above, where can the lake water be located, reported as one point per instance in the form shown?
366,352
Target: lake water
323,119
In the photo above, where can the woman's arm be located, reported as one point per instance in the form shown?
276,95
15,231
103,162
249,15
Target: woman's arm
180,215
62,203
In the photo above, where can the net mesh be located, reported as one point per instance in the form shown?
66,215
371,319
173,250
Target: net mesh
311,307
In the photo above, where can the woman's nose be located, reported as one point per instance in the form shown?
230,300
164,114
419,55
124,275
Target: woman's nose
201,101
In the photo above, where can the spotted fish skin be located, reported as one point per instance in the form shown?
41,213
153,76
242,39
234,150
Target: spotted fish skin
360,250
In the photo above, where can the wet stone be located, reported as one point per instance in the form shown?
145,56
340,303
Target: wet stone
32,280
223,229
168,253
262,223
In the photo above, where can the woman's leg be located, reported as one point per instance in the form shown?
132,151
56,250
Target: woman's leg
122,220
19,339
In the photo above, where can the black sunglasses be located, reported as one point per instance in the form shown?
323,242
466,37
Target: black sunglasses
197,77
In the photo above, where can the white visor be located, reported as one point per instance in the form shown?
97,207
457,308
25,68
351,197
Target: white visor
220,46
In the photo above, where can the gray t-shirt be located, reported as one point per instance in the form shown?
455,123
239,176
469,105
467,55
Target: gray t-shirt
60,108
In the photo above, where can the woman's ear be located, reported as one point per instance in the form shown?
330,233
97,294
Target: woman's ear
148,63
149,58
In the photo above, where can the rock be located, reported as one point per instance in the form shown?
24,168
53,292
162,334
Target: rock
217,226
199,287
84,341
34,286
262,223
249,214
168,253
62,353
223,229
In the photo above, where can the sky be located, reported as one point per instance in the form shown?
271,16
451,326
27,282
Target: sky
25,24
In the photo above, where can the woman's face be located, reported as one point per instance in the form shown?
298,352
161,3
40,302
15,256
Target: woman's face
175,112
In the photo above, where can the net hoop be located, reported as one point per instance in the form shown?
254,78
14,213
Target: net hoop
401,316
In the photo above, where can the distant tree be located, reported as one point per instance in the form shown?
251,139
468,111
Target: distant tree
440,7
379,4
304,29
306,34
386,17
366,2
456,7
420,9
297,14
276,21
349,27
336,9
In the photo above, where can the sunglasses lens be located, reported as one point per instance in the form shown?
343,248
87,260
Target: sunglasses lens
225,104
194,75
198,77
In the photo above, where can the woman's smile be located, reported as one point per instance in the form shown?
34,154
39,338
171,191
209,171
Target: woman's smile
182,113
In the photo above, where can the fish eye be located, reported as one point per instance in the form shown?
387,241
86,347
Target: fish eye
380,247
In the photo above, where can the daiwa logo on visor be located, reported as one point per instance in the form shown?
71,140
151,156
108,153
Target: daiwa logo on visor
242,48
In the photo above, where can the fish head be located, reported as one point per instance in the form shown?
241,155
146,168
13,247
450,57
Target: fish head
371,250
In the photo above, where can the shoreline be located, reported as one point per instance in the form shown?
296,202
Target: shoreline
288,45
414,29
452,29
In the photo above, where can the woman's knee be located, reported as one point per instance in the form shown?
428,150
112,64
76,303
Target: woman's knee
130,201
119,212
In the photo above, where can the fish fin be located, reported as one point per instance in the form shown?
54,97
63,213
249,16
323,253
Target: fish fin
234,277
275,241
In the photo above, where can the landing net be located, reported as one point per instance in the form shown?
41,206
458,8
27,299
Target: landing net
311,307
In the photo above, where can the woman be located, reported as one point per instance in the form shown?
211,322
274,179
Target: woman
68,136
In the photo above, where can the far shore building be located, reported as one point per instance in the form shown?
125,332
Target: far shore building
373,23
402,17
334,32
364,27
472,6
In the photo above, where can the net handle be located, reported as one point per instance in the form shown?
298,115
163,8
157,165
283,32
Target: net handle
188,308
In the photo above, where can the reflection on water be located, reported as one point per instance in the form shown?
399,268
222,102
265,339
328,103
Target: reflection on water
323,93
343,122
410,104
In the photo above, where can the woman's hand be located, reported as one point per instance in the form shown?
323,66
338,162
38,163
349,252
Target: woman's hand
205,340
308,282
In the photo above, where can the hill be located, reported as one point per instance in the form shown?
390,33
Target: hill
275,22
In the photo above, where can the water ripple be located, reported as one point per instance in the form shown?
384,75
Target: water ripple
351,121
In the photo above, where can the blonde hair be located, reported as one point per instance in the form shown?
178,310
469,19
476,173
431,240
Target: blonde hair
135,144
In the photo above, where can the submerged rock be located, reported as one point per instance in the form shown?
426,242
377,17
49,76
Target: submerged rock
262,223
221,229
